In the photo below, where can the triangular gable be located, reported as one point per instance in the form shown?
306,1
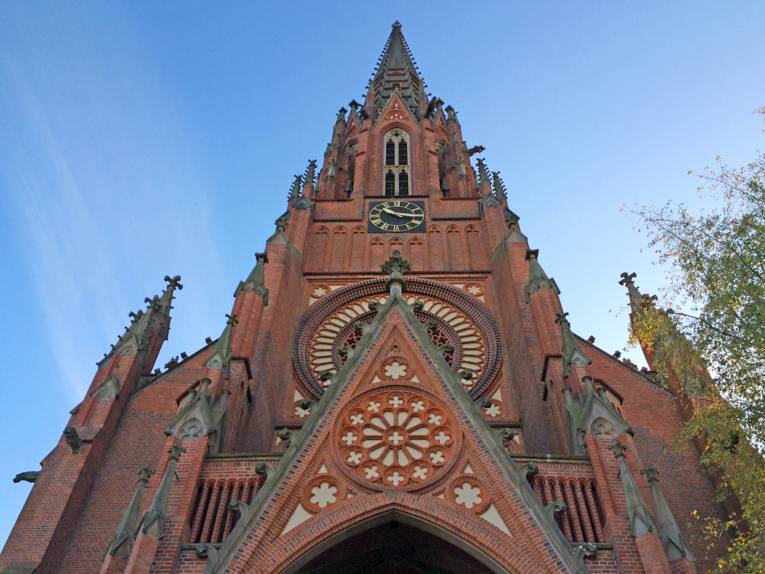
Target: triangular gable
395,431
395,109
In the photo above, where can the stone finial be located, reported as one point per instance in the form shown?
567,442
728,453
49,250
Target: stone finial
221,355
256,280
282,222
153,519
530,469
669,531
500,190
295,188
514,227
572,355
309,180
73,439
124,536
628,280
641,521
284,435
538,279
261,469
174,282
484,180
395,267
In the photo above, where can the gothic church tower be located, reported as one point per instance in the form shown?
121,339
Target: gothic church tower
396,389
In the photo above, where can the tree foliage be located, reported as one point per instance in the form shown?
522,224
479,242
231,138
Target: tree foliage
717,278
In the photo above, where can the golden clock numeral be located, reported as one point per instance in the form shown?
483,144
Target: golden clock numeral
384,226
396,228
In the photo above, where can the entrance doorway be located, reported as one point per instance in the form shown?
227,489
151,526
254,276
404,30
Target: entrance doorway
393,548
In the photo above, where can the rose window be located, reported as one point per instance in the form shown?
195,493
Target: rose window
396,439
458,325
443,336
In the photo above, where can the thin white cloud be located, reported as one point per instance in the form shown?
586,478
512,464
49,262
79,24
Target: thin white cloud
109,195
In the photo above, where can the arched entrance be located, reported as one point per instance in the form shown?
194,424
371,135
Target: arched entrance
393,546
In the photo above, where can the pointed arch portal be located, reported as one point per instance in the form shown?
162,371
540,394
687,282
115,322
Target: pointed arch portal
394,543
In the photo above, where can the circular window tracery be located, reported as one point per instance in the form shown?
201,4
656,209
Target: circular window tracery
443,336
458,325
396,438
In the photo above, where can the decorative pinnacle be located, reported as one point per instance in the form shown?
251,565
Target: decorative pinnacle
618,449
627,279
484,182
499,186
637,301
396,264
395,267
176,451
651,474
310,172
297,183
174,282
145,474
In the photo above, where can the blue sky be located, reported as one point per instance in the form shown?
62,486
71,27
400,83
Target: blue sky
146,138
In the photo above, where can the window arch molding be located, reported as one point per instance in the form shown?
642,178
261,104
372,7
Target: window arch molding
396,152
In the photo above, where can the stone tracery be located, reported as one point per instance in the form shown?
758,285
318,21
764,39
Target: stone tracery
396,438
457,325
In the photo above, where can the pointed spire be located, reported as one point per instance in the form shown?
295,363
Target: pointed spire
572,355
221,354
295,188
538,279
155,516
499,186
309,180
636,299
669,531
256,280
123,538
641,521
157,313
341,116
396,70
484,181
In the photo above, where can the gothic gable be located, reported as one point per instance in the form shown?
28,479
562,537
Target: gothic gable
395,432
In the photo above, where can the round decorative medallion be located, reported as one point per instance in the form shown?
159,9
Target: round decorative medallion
322,491
467,491
396,438
456,323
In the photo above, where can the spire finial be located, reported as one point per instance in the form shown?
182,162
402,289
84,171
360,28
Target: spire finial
499,186
484,182
395,267
636,299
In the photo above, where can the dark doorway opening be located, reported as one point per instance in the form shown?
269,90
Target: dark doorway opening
394,548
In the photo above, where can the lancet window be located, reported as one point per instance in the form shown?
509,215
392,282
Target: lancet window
397,168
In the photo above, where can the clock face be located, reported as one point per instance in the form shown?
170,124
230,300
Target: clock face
396,216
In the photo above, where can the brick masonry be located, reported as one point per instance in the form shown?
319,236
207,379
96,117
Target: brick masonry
471,246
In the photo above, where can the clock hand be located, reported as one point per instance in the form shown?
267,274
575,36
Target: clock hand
398,214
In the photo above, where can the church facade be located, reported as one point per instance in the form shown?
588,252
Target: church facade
396,389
